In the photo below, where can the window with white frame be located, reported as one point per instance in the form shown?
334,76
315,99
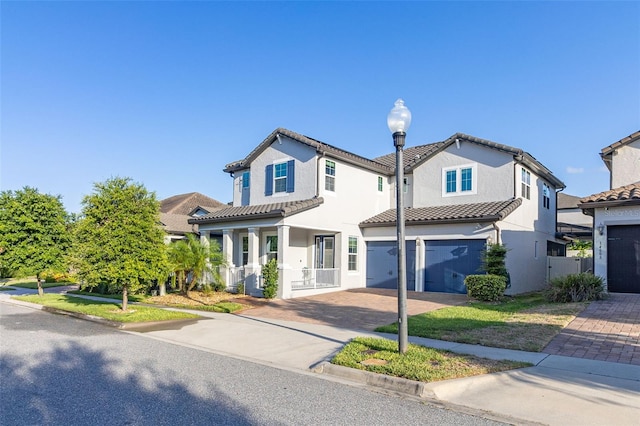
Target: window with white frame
380,183
280,177
330,175
353,253
271,249
546,196
460,180
405,185
525,178
245,250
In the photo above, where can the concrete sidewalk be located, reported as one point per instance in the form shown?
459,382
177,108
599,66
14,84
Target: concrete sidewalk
557,390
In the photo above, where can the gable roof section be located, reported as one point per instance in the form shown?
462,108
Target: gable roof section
186,203
457,213
566,201
519,155
607,152
232,214
176,223
625,195
410,155
320,147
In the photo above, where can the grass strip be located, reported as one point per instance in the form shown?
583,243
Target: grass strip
222,307
33,285
131,297
418,363
523,323
106,310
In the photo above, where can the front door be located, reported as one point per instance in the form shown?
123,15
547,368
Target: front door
325,248
623,259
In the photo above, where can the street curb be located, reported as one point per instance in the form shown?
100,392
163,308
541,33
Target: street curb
389,383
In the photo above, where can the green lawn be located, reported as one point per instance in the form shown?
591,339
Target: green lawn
523,323
131,297
106,310
418,363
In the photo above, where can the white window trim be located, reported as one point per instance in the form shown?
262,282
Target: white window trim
458,169
327,176
265,246
356,254
528,185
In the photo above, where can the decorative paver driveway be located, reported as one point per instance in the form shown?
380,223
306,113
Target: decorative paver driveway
607,330
358,309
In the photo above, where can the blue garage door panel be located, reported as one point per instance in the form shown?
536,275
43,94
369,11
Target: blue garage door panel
382,264
448,262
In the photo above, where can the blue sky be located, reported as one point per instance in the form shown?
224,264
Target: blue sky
167,93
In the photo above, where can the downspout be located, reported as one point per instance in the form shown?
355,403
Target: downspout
495,227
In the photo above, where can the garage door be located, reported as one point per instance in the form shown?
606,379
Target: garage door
623,259
382,264
448,262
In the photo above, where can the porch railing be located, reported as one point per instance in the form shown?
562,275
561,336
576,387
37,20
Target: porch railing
236,276
305,279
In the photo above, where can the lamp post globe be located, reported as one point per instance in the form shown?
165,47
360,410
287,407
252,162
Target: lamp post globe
399,120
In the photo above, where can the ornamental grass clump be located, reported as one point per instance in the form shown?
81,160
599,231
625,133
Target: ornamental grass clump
581,287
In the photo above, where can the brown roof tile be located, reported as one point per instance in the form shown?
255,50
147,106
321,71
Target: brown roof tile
283,209
176,223
628,194
477,212
186,203
624,141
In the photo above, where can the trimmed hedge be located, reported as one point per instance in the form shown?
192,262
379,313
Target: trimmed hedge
488,288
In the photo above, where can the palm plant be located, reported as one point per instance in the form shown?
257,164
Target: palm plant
191,261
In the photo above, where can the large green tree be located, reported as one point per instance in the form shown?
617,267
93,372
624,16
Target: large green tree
34,233
118,240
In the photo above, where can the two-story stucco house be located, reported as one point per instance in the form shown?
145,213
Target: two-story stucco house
616,217
327,215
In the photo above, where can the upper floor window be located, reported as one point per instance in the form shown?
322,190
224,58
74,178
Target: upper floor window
526,184
380,183
546,196
459,180
245,180
280,177
330,175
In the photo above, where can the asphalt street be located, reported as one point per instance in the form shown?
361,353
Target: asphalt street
61,370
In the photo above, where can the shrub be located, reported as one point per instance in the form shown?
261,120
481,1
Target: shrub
218,286
575,288
488,288
240,288
270,276
493,260
52,276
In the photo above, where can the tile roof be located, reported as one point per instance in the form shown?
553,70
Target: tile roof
176,223
628,194
410,155
477,212
566,201
321,147
185,203
283,209
624,141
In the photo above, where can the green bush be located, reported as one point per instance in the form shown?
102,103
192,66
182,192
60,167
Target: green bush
53,276
493,260
218,286
575,288
488,288
240,289
270,277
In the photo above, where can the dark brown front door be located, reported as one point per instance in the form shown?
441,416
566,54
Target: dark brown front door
623,259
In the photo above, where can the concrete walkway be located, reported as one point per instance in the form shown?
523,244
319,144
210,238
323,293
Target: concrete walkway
557,390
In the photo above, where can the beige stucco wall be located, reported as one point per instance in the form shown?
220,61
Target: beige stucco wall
626,165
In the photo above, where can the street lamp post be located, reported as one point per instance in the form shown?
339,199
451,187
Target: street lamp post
399,120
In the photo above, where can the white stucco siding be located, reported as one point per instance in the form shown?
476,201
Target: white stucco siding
625,168
526,257
280,151
493,181
629,215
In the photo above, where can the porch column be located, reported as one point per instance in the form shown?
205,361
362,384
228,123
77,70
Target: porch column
252,268
227,255
284,269
204,240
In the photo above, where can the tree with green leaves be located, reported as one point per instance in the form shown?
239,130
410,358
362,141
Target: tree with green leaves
192,261
118,242
34,233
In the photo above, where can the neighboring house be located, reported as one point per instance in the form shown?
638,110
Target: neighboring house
572,223
616,218
176,211
327,215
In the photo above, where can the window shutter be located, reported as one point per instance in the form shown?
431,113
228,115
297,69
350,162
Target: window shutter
291,177
268,180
